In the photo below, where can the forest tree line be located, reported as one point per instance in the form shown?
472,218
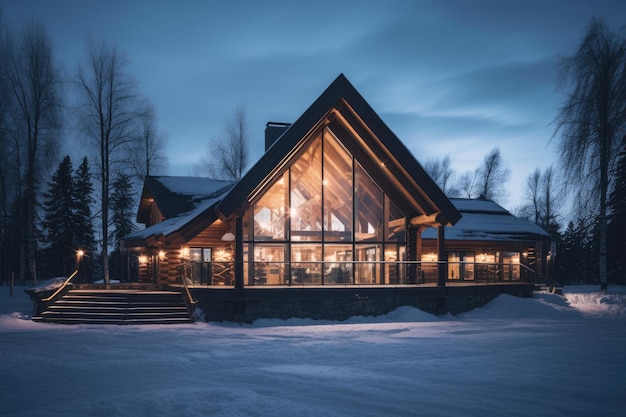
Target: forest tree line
55,212
53,215
582,202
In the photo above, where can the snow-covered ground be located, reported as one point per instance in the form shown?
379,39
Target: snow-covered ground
546,356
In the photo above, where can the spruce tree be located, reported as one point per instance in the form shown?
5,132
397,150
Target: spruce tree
58,223
122,213
83,219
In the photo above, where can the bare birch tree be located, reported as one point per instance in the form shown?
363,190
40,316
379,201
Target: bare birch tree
228,155
591,120
533,197
467,184
491,176
146,155
33,83
542,199
107,112
440,170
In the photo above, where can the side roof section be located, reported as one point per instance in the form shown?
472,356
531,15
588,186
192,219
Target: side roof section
177,195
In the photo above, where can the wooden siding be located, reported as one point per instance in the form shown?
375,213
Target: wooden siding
211,237
169,267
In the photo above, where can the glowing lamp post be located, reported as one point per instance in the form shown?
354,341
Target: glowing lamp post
79,255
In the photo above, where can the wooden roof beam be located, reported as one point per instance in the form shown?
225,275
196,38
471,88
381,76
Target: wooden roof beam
432,220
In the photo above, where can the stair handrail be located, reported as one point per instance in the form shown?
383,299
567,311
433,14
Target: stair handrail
65,283
532,271
188,298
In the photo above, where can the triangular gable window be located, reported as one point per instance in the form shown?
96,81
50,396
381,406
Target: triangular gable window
322,208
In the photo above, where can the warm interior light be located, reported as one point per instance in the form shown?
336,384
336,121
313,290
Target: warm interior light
429,257
222,255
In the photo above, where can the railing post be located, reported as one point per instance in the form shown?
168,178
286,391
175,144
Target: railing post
442,264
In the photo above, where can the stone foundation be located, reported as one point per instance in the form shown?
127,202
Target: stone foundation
251,304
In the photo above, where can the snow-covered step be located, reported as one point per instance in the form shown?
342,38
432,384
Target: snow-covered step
98,306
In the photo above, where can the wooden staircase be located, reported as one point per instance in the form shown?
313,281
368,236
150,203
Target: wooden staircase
117,306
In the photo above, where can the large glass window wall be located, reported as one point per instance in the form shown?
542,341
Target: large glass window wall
325,221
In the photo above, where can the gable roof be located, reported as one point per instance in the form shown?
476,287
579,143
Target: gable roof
342,108
485,220
177,195
182,201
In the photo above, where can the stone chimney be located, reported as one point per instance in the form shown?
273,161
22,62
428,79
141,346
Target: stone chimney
273,130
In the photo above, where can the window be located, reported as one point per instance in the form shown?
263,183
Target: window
338,264
511,266
461,265
306,264
337,190
269,265
369,207
198,269
306,194
269,212
325,221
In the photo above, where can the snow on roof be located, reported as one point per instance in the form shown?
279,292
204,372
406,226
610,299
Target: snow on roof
171,225
486,220
470,205
194,186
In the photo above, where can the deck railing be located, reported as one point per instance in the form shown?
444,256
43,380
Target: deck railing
347,273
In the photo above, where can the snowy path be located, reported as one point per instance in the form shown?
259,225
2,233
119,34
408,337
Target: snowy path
515,357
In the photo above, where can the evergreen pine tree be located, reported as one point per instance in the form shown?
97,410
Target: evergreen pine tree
576,261
58,223
616,228
83,219
122,213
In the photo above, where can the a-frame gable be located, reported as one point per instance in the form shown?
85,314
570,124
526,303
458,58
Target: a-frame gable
383,155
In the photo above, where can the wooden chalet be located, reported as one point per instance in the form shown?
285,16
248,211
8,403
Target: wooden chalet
336,213
489,244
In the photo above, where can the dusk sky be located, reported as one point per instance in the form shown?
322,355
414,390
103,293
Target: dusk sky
453,78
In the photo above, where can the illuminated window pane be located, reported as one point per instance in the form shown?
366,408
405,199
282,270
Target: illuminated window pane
306,194
269,212
367,265
369,206
337,190
396,223
269,265
306,264
337,264
394,269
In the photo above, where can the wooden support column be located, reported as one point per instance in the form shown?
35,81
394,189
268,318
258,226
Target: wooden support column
239,305
239,252
411,255
442,267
